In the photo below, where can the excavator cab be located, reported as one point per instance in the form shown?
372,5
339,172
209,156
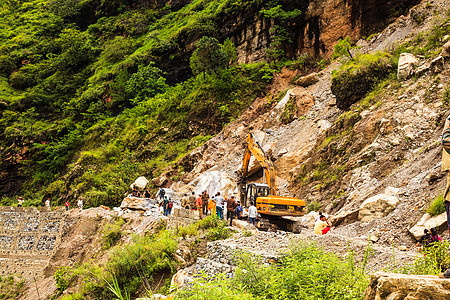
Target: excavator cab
255,190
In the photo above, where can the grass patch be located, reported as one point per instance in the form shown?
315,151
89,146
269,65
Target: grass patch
437,206
112,233
432,261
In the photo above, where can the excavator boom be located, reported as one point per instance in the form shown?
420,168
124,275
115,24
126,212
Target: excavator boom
253,147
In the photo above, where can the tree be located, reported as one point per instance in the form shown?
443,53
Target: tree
342,48
280,35
209,56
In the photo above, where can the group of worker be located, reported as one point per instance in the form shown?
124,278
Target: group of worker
206,205
429,238
48,205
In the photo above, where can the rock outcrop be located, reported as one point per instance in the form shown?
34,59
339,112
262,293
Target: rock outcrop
406,65
426,222
389,286
377,207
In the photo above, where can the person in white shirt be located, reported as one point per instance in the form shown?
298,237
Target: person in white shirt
252,213
80,203
219,205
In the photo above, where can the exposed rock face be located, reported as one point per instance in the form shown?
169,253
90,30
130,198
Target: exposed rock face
427,222
303,101
389,286
406,65
320,26
376,207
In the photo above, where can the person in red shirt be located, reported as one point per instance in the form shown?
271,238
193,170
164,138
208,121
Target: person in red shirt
198,203
67,205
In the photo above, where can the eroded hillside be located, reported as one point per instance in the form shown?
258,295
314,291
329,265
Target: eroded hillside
336,158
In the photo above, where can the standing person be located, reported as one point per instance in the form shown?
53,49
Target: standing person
169,207
205,198
47,203
231,207
322,226
184,201
198,203
212,206
19,201
445,141
219,205
147,193
239,210
164,204
161,193
191,201
80,203
252,213
67,205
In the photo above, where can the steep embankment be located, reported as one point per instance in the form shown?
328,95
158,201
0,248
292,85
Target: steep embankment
336,158
91,90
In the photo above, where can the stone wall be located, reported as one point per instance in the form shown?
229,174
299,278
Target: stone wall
28,239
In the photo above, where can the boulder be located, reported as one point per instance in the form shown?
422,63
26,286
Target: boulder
180,279
135,203
406,65
426,222
140,183
377,207
161,179
445,53
390,286
303,101
344,217
307,80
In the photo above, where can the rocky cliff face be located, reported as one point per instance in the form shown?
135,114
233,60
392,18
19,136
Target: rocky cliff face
320,26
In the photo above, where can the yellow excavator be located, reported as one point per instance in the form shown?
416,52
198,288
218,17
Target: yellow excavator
273,209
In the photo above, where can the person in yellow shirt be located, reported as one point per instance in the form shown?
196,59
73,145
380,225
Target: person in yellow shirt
212,207
322,226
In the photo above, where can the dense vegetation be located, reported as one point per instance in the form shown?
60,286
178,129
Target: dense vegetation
94,93
139,267
304,272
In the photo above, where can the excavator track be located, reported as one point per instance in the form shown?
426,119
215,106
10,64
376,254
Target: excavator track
274,223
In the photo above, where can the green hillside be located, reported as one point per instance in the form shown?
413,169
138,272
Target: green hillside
94,93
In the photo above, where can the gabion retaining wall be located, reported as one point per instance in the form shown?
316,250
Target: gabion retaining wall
28,239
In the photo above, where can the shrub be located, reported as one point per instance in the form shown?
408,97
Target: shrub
63,277
190,230
112,233
353,80
10,287
220,232
314,206
304,272
432,261
437,206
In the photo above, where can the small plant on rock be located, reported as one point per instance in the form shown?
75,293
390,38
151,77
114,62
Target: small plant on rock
437,206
